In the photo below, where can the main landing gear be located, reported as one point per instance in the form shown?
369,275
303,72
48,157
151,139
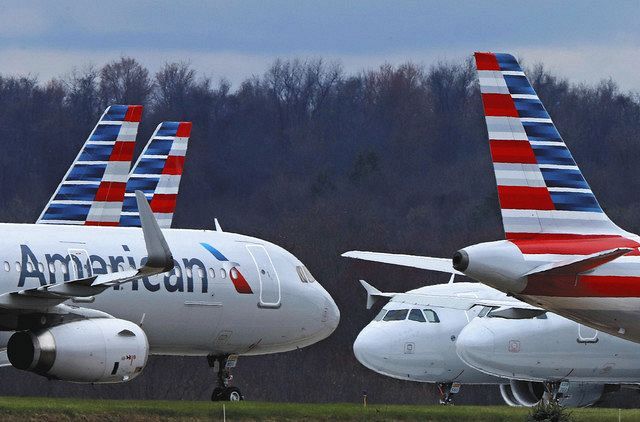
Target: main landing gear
556,390
222,365
447,391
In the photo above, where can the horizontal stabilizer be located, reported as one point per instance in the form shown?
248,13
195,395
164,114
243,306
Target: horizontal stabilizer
443,265
579,265
374,294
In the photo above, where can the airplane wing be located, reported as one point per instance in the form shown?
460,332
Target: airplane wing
159,260
422,262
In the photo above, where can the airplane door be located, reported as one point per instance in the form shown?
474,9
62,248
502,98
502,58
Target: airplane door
79,264
269,280
587,334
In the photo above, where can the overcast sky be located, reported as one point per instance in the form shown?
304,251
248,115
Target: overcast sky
583,40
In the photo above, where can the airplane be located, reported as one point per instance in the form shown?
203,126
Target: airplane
561,252
549,349
88,302
440,334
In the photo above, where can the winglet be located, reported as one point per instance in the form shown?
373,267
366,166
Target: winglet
159,254
374,294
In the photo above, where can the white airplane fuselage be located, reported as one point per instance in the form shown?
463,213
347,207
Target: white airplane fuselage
548,348
423,351
196,308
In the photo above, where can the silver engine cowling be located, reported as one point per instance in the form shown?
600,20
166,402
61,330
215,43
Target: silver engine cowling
528,394
101,350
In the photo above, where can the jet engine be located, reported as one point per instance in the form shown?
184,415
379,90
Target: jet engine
528,394
100,350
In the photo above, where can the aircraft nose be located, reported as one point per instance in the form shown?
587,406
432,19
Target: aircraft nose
475,345
331,313
365,347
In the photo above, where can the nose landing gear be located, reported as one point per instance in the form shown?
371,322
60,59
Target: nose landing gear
447,391
222,365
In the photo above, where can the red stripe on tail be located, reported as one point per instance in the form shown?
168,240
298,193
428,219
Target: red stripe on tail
500,105
134,113
524,198
519,152
486,61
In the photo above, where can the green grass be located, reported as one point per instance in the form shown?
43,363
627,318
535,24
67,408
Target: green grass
46,409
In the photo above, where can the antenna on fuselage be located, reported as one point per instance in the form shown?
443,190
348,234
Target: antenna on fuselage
217,223
453,276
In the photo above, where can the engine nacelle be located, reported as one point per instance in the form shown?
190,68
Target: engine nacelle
101,350
528,394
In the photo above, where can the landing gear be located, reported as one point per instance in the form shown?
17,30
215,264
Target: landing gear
222,366
555,391
447,391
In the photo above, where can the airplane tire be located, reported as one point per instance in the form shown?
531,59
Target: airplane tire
233,394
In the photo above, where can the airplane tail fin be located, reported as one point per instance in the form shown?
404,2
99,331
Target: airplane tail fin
157,174
92,190
540,187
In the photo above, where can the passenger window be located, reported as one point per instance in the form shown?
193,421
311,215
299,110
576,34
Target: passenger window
416,315
212,273
7,267
396,315
380,314
17,266
40,267
200,272
223,273
189,272
431,316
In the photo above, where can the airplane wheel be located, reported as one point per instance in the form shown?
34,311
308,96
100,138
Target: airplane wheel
233,394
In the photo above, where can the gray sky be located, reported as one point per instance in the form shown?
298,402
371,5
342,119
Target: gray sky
582,40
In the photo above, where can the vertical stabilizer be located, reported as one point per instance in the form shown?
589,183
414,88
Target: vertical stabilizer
157,174
92,191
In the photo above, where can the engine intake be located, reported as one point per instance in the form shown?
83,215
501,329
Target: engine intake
104,350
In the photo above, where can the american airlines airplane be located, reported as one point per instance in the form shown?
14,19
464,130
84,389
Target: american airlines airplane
561,252
468,333
90,303
547,348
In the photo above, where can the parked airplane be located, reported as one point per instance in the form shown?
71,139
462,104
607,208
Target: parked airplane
561,251
416,335
89,304
547,348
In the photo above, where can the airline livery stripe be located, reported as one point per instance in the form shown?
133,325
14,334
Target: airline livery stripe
499,105
173,165
525,198
584,286
110,192
165,203
509,151
570,244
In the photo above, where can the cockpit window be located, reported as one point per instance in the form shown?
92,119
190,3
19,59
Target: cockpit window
380,314
304,274
396,315
431,316
484,311
416,315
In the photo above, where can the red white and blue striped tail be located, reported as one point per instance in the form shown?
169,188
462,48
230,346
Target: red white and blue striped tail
157,173
540,187
92,191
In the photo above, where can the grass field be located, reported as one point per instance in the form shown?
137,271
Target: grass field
45,409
